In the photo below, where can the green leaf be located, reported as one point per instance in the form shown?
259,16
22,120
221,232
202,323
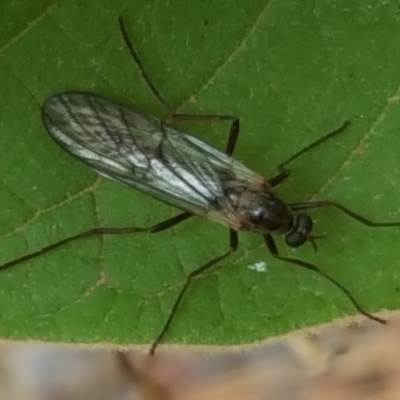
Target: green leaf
292,71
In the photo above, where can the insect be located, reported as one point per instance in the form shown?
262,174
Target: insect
139,150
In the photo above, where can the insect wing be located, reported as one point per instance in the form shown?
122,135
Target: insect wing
139,150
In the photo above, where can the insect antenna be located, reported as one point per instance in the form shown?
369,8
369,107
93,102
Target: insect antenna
313,238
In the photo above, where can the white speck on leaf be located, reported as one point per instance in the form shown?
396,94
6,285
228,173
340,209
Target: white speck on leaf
260,266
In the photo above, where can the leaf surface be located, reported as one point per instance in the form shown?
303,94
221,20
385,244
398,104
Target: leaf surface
292,72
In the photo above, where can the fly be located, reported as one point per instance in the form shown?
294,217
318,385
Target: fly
141,151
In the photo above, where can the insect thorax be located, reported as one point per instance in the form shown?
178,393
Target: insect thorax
258,209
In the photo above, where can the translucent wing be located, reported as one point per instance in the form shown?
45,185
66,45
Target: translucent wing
141,151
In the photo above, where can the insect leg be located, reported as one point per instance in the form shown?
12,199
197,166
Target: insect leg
314,144
233,245
98,231
140,66
139,376
309,205
285,172
233,131
269,241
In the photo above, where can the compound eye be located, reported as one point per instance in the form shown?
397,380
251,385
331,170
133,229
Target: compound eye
300,231
295,239
304,224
